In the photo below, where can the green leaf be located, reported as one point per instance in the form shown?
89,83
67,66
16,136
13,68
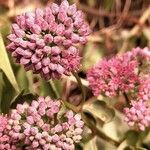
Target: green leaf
22,79
46,89
21,98
6,66
30,77
140,148
1,87
91,3
92,55
100,110
132,137
91,145
78,147
17,97
146,32
108,4
4,25
7,95
89,118
127,148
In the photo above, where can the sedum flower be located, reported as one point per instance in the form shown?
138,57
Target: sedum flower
5,141
139,53
111,76
118,74
39,125
45,40
138,115
144,89
3,122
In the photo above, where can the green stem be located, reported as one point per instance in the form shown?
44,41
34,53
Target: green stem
81,87
55,91
70,106
98,132
94,129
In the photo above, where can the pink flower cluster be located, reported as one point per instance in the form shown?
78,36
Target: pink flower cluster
5,141
45,40
117,74
144,89
41,126
3,122
138,115
138,53
109,77
123,74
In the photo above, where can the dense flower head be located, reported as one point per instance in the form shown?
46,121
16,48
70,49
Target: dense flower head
40,125
5,141
143,90
3,122
111,76
45,40
119,73
138,115
138,53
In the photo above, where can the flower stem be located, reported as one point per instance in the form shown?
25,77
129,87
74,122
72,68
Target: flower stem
70,106
81,87
99,133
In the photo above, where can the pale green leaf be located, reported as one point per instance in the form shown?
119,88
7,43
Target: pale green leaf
140,148
92,55
132,137
21,98
91,145
100,110
6,66
8,93
22,79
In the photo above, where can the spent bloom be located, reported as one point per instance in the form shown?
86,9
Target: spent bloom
111,76
45,40
40,125
138,115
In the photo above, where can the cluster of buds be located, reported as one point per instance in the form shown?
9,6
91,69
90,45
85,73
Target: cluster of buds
138,115
40,125
144,89
45,40
117,74
124,74
109,77
5,141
